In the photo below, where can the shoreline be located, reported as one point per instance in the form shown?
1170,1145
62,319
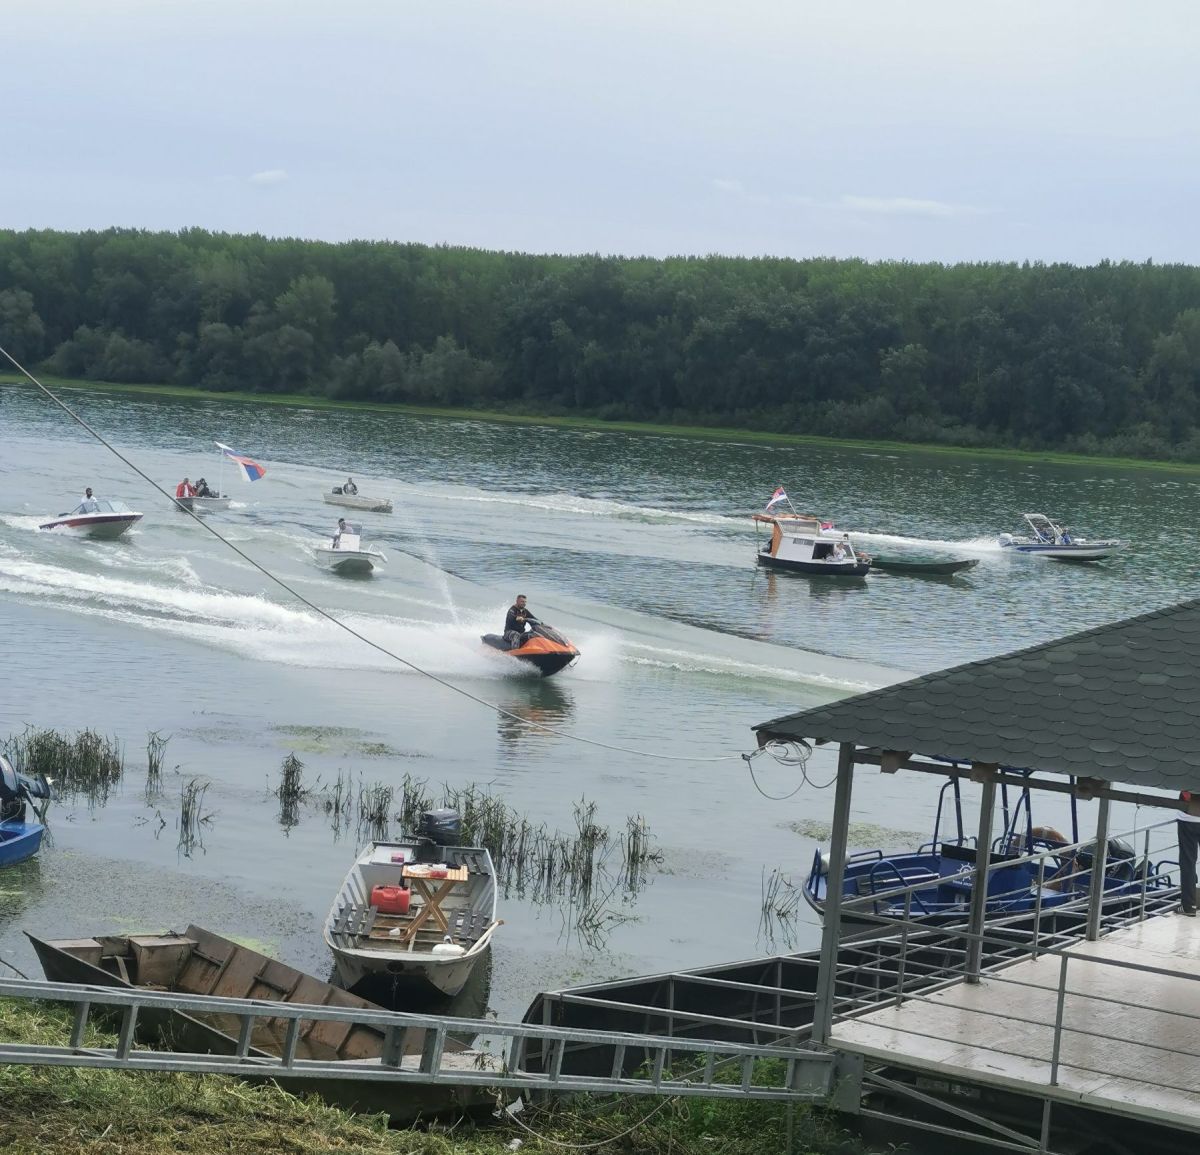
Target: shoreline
596,424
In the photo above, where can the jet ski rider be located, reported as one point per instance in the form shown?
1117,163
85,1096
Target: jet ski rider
516,622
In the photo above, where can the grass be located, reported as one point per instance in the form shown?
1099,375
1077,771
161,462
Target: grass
695,432
85,764
53,1111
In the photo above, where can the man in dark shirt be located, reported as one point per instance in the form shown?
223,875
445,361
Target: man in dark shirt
515,621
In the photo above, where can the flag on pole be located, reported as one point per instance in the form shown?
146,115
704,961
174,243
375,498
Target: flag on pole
776,498
251,469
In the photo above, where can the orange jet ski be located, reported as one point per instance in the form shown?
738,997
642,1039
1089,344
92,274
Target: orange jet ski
542,646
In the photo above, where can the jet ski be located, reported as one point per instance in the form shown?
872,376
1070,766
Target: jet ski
542,647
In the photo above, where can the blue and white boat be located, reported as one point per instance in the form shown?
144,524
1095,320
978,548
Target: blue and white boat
20,827
939,874
1050,539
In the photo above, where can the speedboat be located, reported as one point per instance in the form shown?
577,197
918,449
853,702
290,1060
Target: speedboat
20,830
809,545
94,518
941,873
541,646
346,554
1050,539
414,916
338,496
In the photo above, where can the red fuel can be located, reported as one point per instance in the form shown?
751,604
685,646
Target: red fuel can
391,899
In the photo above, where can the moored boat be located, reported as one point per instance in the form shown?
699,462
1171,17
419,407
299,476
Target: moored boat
103,520
1050,539
199,962
21,828
347,554
414,917
922,567
541,646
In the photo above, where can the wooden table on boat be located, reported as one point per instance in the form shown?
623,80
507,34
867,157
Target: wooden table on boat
420,879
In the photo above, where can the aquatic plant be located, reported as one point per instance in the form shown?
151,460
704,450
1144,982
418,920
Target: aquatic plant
88,764
779,909
192,816
290,791
156,746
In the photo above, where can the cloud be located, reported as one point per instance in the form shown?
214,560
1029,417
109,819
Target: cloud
269,176
907,207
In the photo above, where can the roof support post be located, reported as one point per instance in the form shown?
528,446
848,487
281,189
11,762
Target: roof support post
834,880
979,889
1099,866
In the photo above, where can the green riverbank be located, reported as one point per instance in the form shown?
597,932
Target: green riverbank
52,1110
696,432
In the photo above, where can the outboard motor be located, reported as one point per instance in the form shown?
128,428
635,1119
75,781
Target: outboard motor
337,489
1120,860
437,828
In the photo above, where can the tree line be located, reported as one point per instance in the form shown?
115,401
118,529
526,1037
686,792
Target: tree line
1099,359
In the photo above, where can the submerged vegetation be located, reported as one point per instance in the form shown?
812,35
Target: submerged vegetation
1093,360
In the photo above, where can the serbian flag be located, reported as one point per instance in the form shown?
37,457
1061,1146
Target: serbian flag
250,468
777,497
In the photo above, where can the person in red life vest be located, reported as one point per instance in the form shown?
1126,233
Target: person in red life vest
185,489
1188,827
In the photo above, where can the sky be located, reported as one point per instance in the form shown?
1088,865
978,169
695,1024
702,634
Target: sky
943,130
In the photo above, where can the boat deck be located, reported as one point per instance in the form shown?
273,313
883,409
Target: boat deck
1131,1037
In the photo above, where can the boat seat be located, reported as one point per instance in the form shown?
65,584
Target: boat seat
472,860
469,925
353,921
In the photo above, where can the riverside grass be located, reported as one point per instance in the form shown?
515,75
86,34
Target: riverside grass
592,424
85,1111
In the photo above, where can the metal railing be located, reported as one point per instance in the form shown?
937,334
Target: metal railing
533,1053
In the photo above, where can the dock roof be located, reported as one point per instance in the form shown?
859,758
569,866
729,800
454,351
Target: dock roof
1120,702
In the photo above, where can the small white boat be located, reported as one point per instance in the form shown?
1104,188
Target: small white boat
808,545
1050,539
413,916
347,554
95,518
205,499
338,496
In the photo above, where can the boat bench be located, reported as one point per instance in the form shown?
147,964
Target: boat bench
472,860
353,921
468,925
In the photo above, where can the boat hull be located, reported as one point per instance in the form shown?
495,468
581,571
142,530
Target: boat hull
830,569
344,561
356,501
923,568
1089,551
19,840
98,526
203,504
548,659
394,982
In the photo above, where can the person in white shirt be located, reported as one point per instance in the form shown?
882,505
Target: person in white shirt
350,487
1188,828
87,503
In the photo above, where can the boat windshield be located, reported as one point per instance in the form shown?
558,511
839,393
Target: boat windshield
97,506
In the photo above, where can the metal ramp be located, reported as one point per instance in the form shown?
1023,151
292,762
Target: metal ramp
527,1056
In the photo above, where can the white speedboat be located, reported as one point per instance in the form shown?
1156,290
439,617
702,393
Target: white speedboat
95,518
338,496
808,545
346,554
1050,539
413,916
205,499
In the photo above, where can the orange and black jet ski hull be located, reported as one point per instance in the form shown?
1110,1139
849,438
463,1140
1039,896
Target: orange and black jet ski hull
545,649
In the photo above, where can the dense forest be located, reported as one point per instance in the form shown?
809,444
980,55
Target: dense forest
1103,359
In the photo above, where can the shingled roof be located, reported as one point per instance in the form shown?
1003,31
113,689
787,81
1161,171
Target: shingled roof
1120,702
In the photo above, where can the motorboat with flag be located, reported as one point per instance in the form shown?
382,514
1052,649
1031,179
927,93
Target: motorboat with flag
21,817
103,520
202,498
1048,538
806,544
540,646
346,553
414,916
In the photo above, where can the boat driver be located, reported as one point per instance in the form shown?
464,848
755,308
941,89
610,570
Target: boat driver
185,489
87,502
515,622
341,529
350,487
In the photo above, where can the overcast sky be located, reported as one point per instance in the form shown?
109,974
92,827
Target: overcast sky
928,130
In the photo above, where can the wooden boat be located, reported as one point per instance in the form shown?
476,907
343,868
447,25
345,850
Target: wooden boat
357,501
921,568
413,918
199,962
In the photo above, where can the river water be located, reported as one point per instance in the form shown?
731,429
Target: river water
639,547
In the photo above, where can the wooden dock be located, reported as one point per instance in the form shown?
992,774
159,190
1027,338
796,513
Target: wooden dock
1120,1035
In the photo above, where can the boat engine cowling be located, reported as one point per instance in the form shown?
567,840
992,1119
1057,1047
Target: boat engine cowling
442,826
1006,539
